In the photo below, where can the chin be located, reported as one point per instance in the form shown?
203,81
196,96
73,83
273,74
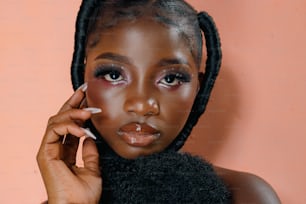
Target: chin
131,152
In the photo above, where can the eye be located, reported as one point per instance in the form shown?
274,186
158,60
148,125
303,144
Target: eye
111,74
174,79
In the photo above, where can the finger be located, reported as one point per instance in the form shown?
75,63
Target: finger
69,150
70,115
51,146
91,156
56,131
75,100
83,103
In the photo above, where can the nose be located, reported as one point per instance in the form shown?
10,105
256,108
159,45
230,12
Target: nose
142,106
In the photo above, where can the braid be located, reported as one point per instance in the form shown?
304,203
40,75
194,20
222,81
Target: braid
77,68
213,64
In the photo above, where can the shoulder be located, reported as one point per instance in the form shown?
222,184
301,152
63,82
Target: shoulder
247,188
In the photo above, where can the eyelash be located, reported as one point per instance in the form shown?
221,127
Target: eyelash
115,76
176,79
110,73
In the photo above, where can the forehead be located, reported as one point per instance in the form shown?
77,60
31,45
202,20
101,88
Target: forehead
143,37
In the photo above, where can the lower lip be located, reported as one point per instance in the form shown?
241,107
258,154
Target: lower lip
137,139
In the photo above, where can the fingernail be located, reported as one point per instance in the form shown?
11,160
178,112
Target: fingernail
93,110
83,87
64,139
89,133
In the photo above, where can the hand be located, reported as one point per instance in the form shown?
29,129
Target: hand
64,182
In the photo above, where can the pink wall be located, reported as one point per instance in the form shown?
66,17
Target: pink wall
253,123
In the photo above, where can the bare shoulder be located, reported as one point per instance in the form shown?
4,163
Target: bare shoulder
247,188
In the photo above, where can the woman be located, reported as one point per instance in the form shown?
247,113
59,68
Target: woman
143,91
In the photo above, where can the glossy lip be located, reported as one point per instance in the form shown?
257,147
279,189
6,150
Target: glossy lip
138,134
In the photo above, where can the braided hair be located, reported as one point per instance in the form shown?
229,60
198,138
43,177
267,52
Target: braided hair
96,15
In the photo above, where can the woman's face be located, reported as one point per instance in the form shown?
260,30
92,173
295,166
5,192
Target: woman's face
144,78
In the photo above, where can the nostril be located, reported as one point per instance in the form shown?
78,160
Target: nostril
149,113
153,107
141,106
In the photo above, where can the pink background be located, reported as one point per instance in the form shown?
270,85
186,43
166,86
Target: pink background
255,121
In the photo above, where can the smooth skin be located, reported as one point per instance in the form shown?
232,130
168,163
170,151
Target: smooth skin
64,182
145,91
140,72
141,91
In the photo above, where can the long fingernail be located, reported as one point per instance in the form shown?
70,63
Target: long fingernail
93,110
64,139
89,133
83,87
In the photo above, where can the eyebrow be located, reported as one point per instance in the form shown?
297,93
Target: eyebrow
114,57
172,61
126,60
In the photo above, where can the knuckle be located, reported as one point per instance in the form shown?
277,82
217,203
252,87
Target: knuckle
51,119
50,127
39,157
68,105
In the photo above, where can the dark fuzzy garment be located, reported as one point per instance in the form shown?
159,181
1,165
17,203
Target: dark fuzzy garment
167,177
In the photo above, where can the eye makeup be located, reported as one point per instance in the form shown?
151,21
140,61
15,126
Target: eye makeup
110,73
167,77
174,77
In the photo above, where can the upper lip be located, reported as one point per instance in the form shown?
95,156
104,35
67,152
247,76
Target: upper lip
138,128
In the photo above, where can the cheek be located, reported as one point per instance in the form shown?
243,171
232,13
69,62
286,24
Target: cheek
101,95
95,95
177,106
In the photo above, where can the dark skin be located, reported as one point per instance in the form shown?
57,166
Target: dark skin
247,188
151,84
137,72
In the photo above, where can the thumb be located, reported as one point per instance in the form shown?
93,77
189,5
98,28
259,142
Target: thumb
91,156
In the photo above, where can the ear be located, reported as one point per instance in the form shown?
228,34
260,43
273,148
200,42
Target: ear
201,79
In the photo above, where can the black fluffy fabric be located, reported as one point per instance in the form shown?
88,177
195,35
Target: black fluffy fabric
167,177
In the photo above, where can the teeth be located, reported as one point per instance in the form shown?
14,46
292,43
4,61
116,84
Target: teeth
133,141
138,128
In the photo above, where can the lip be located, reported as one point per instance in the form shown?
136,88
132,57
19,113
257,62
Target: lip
138,134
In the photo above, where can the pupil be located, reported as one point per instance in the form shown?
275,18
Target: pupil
169,78
114,75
